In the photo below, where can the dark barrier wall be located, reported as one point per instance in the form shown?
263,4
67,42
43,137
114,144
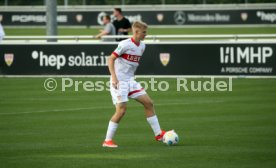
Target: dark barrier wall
188,17
158,59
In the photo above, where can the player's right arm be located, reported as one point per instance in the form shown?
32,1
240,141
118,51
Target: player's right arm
122,47
111,62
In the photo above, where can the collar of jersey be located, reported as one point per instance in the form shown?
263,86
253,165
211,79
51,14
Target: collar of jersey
137,44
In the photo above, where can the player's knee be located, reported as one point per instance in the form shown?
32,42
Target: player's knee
121,109
148,104
119,114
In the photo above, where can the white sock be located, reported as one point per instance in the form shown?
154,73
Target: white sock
153,121
112,127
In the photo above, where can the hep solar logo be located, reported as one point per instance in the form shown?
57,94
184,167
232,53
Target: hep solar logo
59,61
270,17
52,60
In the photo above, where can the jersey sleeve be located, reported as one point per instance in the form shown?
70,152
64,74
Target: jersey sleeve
121,49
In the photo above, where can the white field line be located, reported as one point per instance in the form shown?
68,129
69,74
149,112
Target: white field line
102,107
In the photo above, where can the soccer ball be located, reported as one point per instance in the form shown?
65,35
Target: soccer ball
170,138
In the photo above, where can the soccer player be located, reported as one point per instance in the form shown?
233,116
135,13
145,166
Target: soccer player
122,65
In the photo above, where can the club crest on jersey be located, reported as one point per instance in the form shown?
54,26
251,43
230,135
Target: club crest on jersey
9,58
119,48
164,58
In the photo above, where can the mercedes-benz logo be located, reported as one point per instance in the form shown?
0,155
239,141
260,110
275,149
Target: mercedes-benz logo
179,17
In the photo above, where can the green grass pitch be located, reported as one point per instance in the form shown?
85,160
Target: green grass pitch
65,129
234,129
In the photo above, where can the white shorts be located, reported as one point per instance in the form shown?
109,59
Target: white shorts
125,90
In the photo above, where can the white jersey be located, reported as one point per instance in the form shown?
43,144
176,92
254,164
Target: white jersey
128,55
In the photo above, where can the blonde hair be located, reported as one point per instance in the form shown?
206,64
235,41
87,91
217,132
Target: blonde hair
139,25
